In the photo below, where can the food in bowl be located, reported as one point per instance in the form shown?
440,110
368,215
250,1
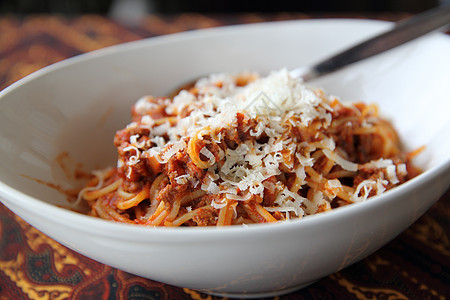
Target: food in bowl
241,149
48,113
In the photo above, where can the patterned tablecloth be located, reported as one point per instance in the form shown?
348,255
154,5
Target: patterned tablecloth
416,265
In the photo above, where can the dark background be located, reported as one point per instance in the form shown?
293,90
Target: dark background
211,6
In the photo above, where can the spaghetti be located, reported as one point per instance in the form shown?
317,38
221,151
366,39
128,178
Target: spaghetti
240,149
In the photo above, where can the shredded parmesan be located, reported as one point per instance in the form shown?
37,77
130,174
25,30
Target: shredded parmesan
364,188
134,159
268,135
209,155
345,164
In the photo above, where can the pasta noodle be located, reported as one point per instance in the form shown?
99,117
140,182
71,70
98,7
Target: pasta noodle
240,149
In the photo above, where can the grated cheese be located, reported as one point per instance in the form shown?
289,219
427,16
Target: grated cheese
345,164
275,104
134,159
209,155
392,174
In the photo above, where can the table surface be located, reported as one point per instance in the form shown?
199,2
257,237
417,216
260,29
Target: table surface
415,265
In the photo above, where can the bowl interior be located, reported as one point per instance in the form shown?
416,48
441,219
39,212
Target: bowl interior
63,118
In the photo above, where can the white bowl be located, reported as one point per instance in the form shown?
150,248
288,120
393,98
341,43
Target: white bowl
77,105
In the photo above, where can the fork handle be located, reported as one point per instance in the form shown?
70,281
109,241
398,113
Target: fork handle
402,32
